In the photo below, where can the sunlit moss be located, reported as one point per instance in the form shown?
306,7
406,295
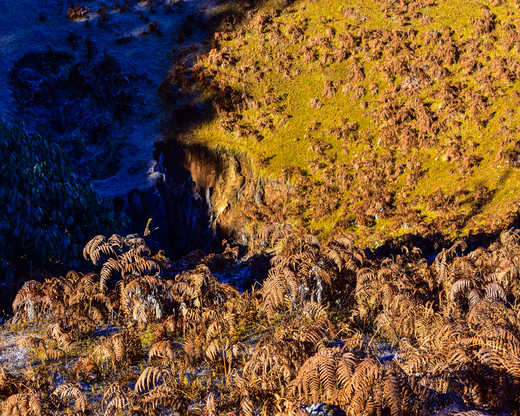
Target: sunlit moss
272,129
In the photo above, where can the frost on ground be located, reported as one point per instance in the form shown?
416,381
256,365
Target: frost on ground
12,355
138,35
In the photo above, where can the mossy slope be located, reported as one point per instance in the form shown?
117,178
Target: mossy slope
387,118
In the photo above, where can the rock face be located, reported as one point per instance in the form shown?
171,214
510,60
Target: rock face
199,197
197,190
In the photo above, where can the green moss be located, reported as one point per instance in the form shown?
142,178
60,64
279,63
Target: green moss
147,336
289,120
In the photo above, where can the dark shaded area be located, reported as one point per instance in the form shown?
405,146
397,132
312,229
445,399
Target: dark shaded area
48,211
78,104
431,244
181,208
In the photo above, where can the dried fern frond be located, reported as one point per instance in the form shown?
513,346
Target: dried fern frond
121,348
460,286
110,268
315,310
167,395
92,250
334,255
166,351
68,392
99,246
61,335
153,376
30,302
115,240
320,333
317,378
193,346
495,291
273,293
510,237
86,369
144,298
275,361
247,406
117,399
9,385
166,328
210,408
23,404
31,342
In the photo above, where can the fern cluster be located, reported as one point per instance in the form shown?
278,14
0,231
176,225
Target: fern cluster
138,338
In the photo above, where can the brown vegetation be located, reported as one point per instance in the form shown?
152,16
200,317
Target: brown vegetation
315,331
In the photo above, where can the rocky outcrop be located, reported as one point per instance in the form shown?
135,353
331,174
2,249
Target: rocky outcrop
200,197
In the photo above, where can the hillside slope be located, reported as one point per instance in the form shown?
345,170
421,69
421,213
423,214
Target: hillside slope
387,117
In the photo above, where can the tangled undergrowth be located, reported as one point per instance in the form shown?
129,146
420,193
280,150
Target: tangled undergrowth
47,211
384,117
331,324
